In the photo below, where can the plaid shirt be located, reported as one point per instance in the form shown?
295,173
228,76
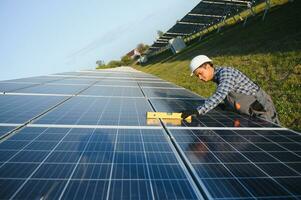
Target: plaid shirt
228,80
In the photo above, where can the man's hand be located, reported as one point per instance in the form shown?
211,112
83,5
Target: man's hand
187,113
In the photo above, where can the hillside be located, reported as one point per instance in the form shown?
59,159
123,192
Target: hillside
267,51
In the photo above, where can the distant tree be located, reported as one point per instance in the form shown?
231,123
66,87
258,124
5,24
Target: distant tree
100,63
160,33
126,60
142,47
114,63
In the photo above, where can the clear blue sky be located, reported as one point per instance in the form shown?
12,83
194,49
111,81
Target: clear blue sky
43,37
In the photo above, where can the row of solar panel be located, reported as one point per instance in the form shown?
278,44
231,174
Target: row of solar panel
102,74
112,111
59,87
69,87
107,110
205,14
141,163
108,91
230,164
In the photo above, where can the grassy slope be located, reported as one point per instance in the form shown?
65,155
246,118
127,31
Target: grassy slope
267,51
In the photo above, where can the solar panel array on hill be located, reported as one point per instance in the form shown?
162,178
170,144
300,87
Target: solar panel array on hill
203,15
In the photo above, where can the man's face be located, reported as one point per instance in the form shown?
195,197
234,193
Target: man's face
205,72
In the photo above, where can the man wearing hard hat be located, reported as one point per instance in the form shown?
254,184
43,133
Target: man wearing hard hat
236,89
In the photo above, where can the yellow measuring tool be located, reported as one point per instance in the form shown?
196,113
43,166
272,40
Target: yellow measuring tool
165,115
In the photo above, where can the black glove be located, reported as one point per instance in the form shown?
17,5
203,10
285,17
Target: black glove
187,113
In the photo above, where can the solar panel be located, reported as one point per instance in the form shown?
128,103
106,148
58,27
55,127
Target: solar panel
117,83
6,86
97,144
125,164
123,75
37,79
155,84
116,76
118,73
20,108
99,111
75,81
133,80
243,164
114,91
168,93
214,118
53,89
172,105
5,129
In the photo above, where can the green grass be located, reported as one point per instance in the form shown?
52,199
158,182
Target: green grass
269,52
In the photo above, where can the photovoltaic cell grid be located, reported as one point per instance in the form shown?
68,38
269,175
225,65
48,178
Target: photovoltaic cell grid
5,129
6,87
21,108
244,164
113,91
117,83
168,93
125,76
37,79
92,164
99,111
138,163
53,89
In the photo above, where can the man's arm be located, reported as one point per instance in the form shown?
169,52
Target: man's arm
226,85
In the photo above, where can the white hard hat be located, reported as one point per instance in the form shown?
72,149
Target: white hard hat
197,61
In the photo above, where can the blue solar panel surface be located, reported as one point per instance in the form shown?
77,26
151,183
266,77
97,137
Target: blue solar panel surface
169,93
114,91
117,83
122,163
244,164
37,79
21,108
79,135
53,89
7,86
5,129
159,85
99,111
